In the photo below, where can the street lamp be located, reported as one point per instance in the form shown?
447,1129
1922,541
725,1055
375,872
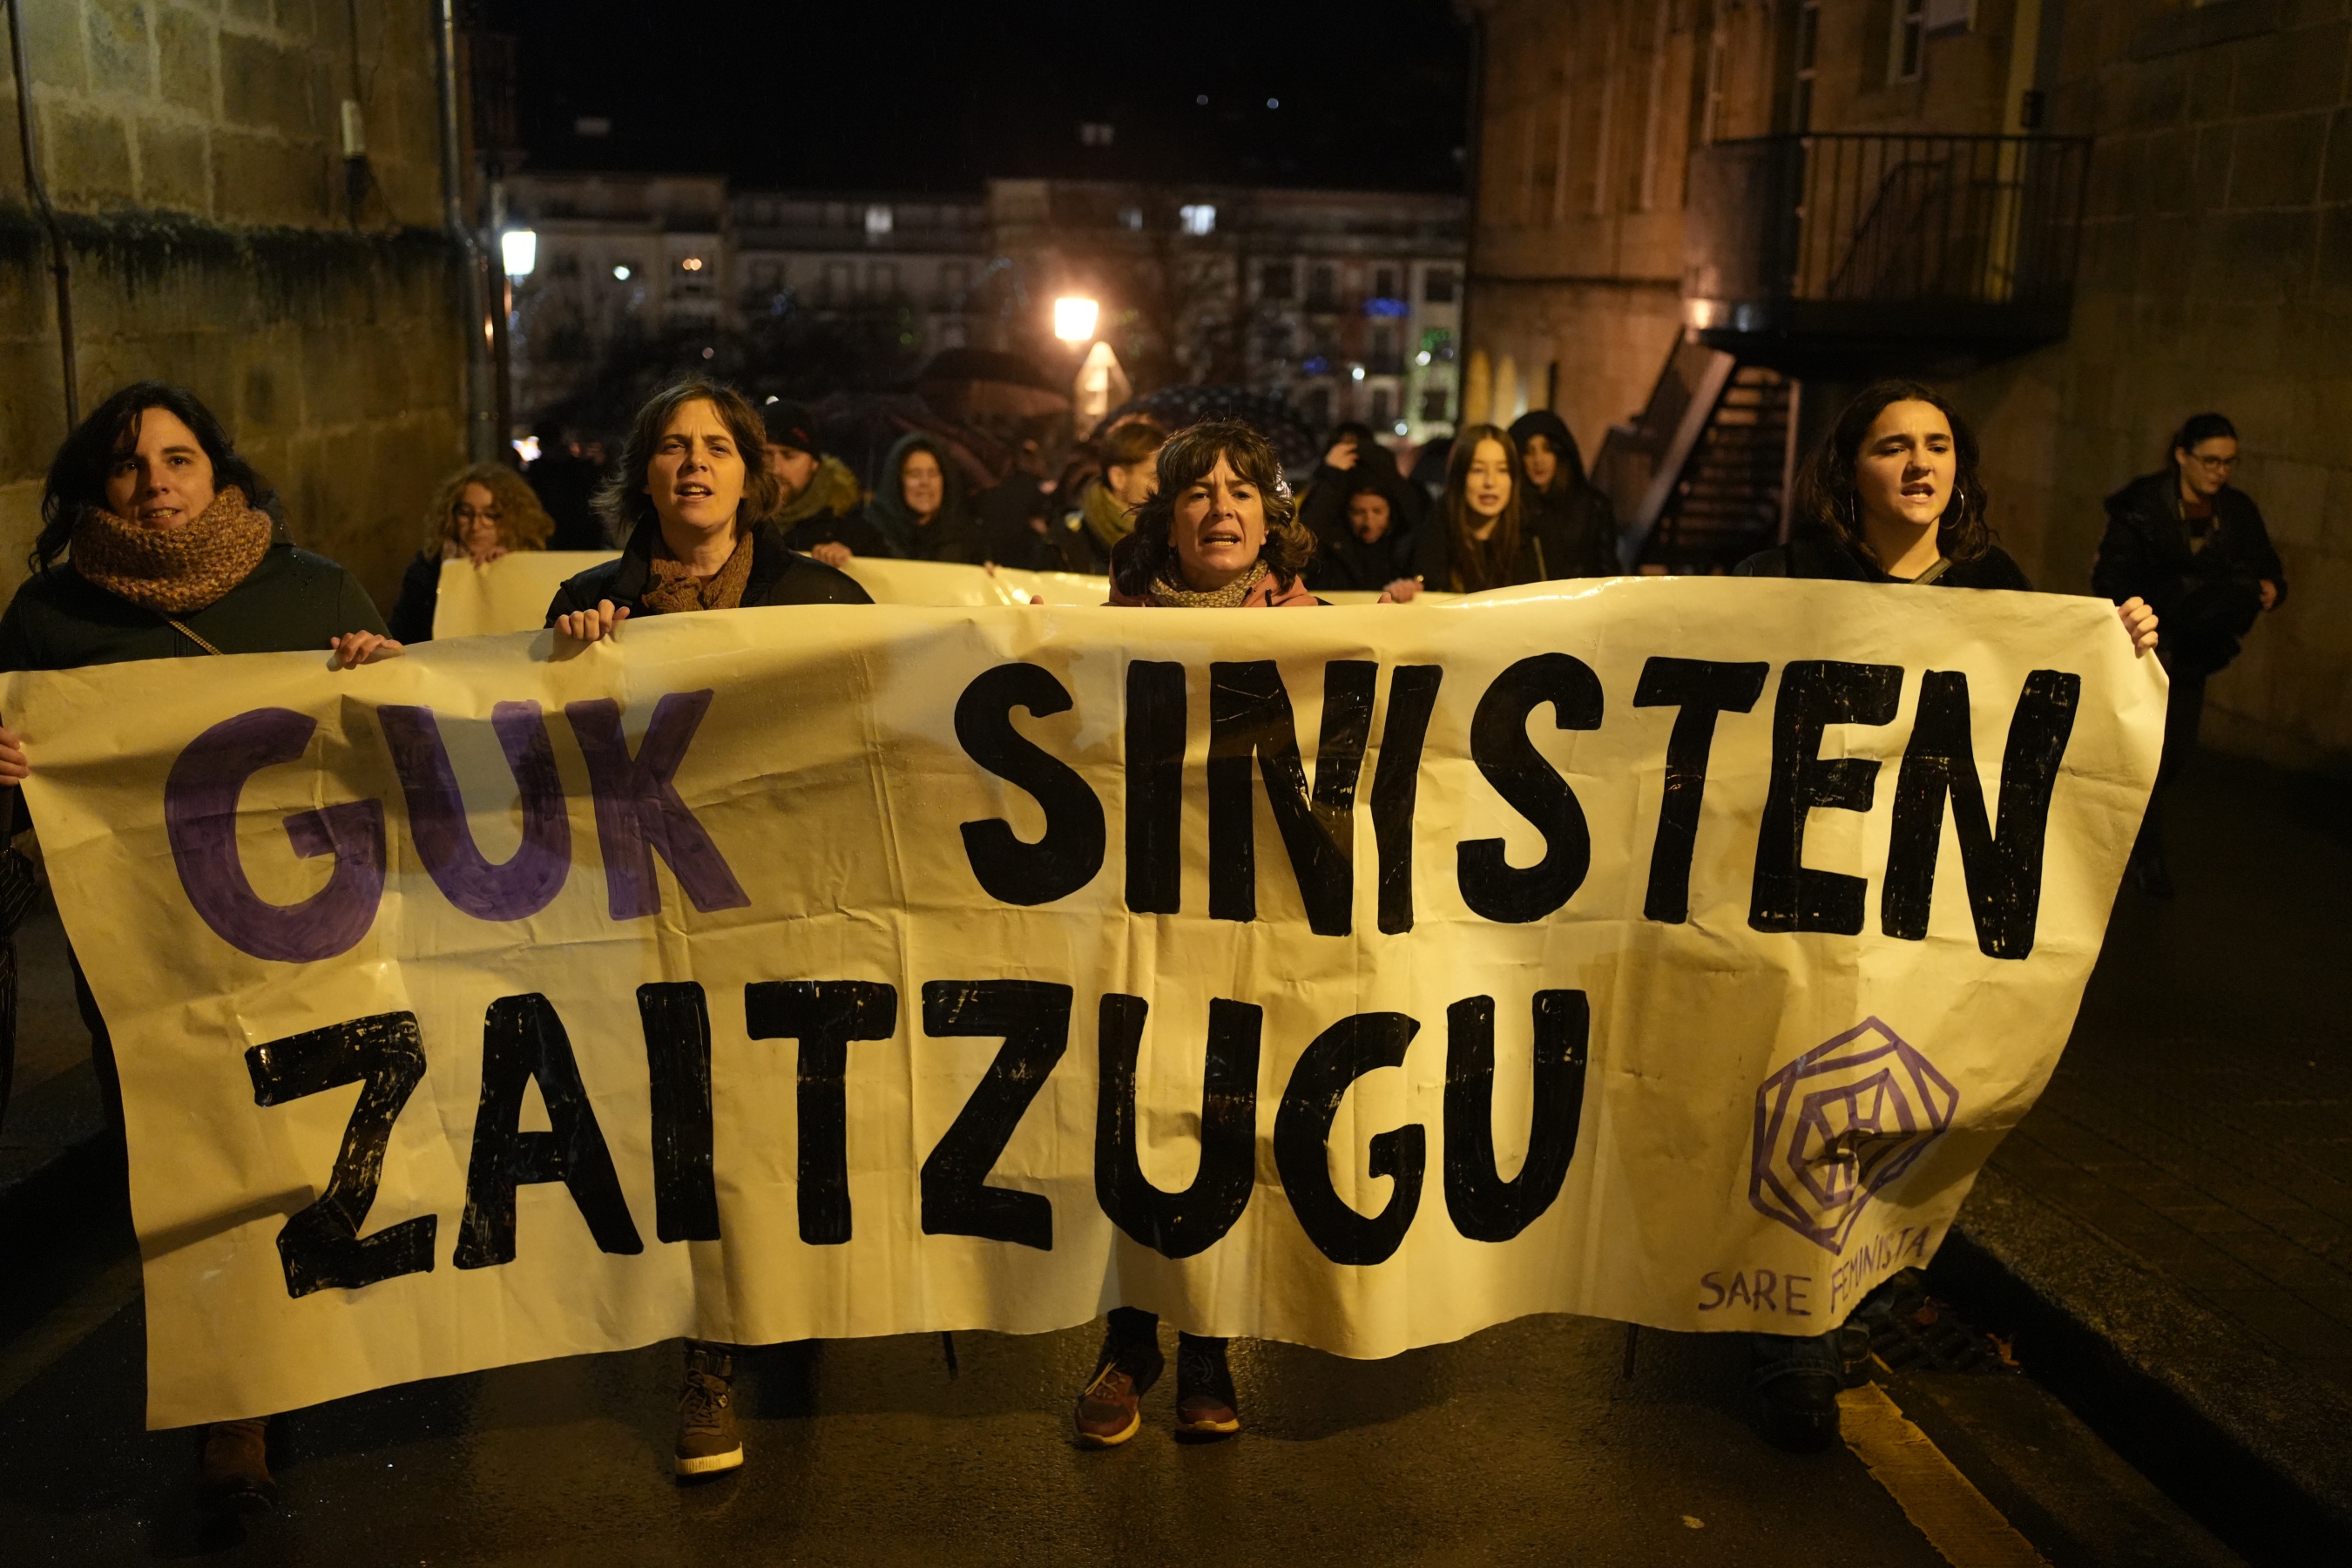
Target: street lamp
520,246
1074,319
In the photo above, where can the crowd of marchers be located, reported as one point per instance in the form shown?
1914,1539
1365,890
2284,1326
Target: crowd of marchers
158,541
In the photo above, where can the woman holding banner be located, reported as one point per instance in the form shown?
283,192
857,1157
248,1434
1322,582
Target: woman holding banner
685,494
1222,533
1890,496
688,487
158,541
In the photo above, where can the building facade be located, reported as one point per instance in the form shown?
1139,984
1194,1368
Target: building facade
1346,303
2085,219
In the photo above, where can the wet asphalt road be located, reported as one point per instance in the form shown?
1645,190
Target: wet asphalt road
1524,1444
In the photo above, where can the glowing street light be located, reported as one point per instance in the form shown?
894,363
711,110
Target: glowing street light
520,246
1074,319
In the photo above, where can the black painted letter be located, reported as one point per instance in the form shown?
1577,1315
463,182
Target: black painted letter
1032,1018
1701,688
1815,693
676,1021
1249,715
320,1246
823,1016
1491,885
1485,1207
1396,785
1155,787
2002,860
1071,851
1179,1225
1341,1054
523,1039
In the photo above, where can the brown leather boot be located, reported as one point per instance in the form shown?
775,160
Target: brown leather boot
236,1465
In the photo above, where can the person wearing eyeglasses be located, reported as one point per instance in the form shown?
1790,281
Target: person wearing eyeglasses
2193,546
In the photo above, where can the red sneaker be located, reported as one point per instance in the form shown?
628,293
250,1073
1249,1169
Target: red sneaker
1110,1410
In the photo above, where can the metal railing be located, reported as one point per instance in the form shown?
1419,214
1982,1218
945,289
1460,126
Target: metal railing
1875,219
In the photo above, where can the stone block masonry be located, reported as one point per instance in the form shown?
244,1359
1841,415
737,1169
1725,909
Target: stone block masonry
194,151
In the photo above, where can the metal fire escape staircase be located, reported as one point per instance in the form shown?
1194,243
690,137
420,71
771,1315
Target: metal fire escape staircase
1699,478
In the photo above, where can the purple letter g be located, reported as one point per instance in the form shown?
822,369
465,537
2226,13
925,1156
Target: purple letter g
200,818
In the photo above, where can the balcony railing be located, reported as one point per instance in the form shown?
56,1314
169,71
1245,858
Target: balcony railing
1883,251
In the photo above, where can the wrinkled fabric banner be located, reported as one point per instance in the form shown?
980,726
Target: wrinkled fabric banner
1667,950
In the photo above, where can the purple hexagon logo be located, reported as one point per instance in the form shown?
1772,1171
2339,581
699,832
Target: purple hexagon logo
1839,1123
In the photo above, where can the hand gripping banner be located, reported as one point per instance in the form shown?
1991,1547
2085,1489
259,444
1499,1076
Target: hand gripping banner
1667,949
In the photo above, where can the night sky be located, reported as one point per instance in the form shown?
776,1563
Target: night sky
886,95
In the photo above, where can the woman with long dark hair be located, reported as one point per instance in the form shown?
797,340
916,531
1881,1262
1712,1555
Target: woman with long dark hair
158,541
1575,529
1891,495
1479,535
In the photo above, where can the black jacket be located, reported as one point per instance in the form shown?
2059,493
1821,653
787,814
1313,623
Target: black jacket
420,595
1816,557
2205,598
848,529
293,601
779,576
1576,530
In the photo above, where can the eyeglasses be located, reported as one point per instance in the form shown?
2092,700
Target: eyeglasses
465,514
2214,465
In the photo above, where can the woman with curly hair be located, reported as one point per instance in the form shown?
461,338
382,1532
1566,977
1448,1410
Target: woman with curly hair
1222,530
1890,496
1220,533
483,511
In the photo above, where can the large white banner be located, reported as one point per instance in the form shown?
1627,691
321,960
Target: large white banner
1663,950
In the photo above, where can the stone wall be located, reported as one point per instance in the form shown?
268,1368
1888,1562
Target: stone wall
2216,267
2217,273
193,150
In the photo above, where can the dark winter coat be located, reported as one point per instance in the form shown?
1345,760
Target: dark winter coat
952,535
293,601
565,485
2205,597
420,596
1433,558
1818,557
779,576
1341,561
1573,522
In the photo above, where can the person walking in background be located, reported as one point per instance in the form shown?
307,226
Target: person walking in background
820,507
565,483
482,512
918,507
1573,520
2194,547
1478,536
1099,501
158,541
1890,496
1220,532
1359,544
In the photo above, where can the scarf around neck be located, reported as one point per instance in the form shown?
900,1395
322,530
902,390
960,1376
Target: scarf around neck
1168,592
171,571
674,587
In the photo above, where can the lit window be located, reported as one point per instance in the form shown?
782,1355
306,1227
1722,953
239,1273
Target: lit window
690,264
1131,218
621,274
1096,133
1201,220
877,221
1909,41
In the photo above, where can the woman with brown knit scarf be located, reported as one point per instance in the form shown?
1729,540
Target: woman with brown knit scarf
171,548
685,492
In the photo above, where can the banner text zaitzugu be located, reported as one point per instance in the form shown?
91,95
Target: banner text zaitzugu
639,813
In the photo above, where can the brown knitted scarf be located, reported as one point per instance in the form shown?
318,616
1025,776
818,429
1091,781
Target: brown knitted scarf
1168,592
674,587
173,570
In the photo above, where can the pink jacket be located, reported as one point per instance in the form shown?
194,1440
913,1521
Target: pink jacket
1264,595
